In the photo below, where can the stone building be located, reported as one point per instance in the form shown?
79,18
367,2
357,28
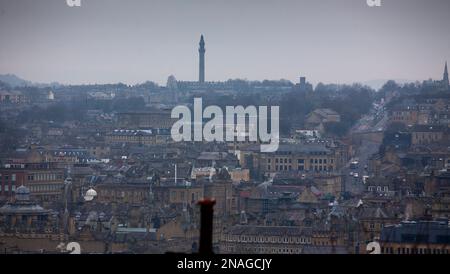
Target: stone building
416,237
25,226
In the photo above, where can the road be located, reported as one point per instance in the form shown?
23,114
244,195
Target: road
354,184
374,121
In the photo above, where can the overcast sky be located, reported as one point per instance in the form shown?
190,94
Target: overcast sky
132,41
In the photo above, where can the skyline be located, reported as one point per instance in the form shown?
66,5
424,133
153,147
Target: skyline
110,42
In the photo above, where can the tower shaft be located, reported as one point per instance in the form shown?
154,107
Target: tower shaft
201,51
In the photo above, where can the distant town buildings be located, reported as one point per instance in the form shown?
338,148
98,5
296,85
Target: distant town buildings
13,97
384,179
421,237
145,120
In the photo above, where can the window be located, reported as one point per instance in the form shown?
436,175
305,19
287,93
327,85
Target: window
13,177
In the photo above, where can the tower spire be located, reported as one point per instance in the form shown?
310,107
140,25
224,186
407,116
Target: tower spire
445,78
201,51
446,70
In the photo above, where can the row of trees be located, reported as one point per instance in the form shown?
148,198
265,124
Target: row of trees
76,110
350,101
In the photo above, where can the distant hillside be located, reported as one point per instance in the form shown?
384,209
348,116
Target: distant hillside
4,86
14,81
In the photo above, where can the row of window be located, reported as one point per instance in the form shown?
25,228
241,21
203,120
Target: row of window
7,188
268,239
406,250
427,136
277,160
34,177
43,188
264,250
6,177
378,189
280,168
45,177
112,193
300,168
401,118
300,161
194,196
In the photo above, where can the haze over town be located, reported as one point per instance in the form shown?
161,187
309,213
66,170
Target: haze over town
328,41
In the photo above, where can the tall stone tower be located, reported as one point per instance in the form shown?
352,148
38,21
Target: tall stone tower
201,52
445,79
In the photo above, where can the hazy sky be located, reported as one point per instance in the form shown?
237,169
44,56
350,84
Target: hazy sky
132,41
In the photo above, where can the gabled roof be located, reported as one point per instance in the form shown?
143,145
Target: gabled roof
375,213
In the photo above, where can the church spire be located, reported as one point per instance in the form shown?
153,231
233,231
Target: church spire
445,79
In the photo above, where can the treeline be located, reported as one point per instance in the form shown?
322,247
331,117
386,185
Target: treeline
350,101
10,136
76,110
